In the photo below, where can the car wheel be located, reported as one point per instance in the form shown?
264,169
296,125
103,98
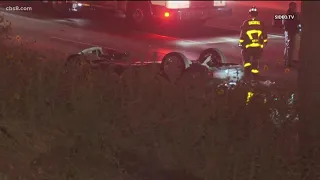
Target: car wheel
173,66
212,58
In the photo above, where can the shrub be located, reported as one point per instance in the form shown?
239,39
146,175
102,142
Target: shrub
79,123
5,26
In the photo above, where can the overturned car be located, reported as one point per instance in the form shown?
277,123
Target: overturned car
172,65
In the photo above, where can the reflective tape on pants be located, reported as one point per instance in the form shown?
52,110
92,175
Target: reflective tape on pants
247,65
255,71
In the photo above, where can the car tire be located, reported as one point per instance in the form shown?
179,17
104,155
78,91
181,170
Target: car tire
173,66
138,14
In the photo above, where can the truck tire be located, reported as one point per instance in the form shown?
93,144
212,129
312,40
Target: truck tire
138,13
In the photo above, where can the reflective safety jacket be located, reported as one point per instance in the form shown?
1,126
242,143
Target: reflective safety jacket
252,34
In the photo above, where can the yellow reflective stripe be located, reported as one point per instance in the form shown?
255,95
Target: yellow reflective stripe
254,45
254,22
266,40
250,32
241,40
249,96
255,71
247,65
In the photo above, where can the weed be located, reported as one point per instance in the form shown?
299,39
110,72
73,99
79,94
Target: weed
80,123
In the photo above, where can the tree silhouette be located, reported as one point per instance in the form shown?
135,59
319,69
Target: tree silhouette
309,90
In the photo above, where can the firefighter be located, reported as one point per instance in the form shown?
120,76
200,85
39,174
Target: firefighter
253,38
291,29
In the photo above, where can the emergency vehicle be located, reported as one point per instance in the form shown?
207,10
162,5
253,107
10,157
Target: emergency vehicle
139,12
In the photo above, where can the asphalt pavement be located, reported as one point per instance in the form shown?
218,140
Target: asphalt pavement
70,35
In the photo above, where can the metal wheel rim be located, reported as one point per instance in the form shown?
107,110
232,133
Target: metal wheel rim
138,15
215,59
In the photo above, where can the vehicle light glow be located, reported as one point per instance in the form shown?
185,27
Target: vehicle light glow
219,3
83,4
177,4
166,14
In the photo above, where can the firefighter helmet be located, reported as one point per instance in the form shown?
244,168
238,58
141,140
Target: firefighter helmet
253,11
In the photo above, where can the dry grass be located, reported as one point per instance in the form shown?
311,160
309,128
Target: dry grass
86,124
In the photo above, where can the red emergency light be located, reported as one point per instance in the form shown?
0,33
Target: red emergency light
166,14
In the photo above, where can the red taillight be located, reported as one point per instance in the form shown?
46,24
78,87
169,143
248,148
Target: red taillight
166,14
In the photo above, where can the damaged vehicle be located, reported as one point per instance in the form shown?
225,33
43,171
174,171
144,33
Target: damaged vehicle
172,65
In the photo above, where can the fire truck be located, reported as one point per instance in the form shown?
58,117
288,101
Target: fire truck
139,12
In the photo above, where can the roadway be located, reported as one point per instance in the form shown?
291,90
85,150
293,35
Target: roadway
70,35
